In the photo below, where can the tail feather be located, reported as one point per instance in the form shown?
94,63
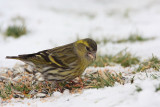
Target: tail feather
21,57
12,57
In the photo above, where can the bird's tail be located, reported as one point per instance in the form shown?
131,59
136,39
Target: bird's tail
12,57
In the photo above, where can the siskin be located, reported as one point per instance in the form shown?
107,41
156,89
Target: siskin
62,63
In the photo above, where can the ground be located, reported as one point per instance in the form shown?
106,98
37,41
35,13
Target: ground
54,23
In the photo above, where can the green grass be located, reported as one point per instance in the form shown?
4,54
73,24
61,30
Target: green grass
138,89
152,62
134,37
25,88
124,58
6,91
101,79
10,90
16,31
17,28
102,61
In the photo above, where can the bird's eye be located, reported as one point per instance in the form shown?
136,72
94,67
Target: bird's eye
87,48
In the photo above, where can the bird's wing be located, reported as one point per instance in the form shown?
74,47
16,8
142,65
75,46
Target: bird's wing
63,56
60,57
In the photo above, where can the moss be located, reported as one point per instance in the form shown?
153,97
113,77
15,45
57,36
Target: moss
16,31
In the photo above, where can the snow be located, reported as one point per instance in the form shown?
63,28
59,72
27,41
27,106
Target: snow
53,23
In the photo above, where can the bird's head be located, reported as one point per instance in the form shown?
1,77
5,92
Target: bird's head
86,48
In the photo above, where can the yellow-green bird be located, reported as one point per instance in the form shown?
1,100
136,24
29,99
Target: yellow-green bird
62,63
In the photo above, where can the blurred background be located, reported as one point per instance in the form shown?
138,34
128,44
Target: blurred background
28,26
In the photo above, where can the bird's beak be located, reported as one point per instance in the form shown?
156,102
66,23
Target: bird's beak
92,55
